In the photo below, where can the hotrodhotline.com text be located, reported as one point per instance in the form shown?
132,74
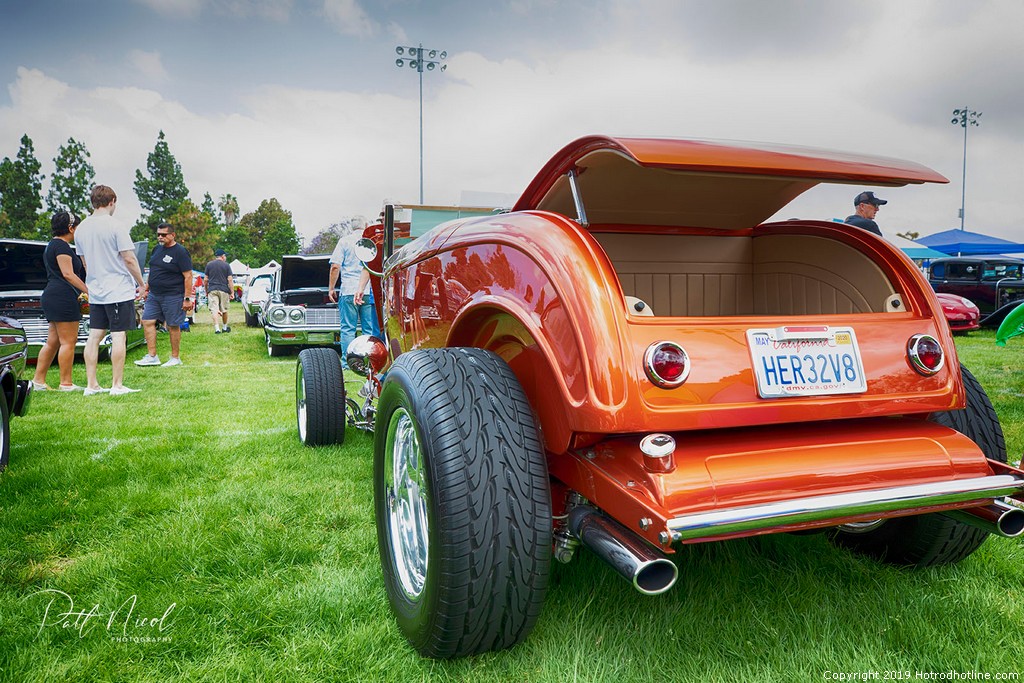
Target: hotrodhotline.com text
948,675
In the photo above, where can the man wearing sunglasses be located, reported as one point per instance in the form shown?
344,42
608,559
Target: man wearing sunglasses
168,295
866,206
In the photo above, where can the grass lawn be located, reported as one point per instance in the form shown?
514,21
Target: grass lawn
183,533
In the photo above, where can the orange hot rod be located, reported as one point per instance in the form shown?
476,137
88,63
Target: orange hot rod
632,360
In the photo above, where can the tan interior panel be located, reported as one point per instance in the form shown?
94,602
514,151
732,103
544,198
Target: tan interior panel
688,275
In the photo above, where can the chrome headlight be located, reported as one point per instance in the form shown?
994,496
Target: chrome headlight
277,315
297,316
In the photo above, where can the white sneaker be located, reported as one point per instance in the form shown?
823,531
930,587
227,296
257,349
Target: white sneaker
121,391
148,360
93,392
172,362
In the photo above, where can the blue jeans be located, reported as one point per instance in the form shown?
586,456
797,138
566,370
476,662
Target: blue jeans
350,314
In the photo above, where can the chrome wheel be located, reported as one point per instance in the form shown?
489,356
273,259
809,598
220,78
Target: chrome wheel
300,401
405,487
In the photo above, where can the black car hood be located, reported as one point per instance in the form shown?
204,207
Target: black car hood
21,266
304,272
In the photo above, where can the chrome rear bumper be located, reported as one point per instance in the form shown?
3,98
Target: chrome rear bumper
825,508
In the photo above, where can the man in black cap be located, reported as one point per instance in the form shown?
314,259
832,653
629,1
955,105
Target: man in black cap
219,286
866,204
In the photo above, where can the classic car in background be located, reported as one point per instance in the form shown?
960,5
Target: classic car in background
297,312
15,392
960,312
634,360
22,280
994,283
256,293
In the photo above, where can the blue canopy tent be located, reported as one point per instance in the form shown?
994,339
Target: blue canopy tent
967,243
912,248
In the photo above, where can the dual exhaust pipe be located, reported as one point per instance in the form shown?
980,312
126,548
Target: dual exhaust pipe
997,518
651,573
648,570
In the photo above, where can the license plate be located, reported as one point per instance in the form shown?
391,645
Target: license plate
808,360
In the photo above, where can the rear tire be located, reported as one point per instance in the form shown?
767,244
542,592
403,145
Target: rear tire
320,398
462,502
935,539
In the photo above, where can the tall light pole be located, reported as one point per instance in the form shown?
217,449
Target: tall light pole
964,117
414,57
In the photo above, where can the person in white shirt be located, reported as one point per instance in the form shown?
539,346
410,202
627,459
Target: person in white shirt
114,280
345,265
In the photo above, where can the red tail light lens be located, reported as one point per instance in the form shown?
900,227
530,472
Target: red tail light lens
925,354
666,364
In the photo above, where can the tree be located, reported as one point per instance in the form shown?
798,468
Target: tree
236,241
162,192
20,186
228,206
326,239
209,208
72,181
262,235
194,228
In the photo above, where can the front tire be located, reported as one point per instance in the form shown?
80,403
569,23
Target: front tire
250,319
462,502
935,539
320,398
275,351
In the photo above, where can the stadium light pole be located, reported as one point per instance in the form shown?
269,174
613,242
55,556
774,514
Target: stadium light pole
964,117
421,59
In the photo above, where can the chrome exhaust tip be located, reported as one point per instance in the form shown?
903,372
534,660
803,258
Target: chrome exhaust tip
650,572
997,518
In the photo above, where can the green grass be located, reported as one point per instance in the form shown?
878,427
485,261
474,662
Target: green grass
196,493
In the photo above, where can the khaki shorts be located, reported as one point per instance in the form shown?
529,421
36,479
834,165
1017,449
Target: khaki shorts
218,302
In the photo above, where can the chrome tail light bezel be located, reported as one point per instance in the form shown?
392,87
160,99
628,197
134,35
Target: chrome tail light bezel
652,373
914,354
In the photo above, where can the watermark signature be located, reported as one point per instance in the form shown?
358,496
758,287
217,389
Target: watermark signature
123,623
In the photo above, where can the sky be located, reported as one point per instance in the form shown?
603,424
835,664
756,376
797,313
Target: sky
301,100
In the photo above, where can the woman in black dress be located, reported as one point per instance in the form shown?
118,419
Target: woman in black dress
65,279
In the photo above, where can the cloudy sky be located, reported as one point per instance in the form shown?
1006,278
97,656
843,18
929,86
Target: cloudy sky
301,99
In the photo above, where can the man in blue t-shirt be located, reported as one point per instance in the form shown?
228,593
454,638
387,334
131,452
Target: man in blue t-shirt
168,295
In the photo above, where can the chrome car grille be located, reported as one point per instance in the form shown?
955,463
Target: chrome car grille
36,329
323,316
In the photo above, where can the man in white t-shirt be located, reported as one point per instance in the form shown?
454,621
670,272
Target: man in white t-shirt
114,280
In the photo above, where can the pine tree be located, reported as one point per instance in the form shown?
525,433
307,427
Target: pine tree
162,192
72,180
21,185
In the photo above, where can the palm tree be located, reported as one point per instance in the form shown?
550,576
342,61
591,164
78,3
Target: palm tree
228,205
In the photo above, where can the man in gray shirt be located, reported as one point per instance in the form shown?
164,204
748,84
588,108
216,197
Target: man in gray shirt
219,286
114,280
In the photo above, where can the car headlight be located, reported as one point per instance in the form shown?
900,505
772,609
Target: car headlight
968,303
297,315
278,315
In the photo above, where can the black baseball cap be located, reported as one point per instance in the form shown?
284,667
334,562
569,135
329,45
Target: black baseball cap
868,198
221,252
